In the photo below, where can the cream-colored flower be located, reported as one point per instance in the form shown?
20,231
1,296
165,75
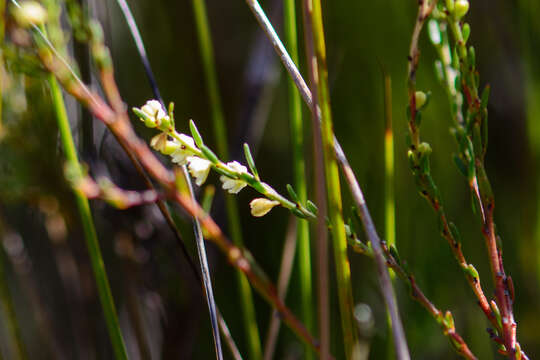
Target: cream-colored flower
183,152
261,206
165,146
198,168
30,13
155,113
234,186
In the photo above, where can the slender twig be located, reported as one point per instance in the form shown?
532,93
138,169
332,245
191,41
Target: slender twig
444,319
400,342
285,271
428,190
220,130
307,96
472,150
476,121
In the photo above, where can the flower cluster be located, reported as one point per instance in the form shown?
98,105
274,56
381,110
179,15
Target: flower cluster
191,151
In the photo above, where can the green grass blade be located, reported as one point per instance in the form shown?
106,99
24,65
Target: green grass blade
92,243
299,170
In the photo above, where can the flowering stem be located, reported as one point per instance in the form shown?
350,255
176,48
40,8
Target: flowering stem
299,170
212,86
215,319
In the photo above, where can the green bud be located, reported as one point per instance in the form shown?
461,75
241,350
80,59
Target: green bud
471,271
450,5
472,56
461,7
466,32
424,149
420,99
448,320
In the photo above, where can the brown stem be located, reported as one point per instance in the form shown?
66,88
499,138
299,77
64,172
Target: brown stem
416,293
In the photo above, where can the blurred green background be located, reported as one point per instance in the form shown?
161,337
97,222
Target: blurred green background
45,258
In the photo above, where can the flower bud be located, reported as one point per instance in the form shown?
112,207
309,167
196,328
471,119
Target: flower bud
154,114
461,7
30,13
424,148
261,206
420,99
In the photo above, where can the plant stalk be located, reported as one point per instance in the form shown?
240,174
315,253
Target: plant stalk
220,130
92,243
333,187
299,171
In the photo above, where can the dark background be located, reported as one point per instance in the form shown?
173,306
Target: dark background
49,275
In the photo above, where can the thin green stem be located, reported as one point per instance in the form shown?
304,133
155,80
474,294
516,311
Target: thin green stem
218,119
92,243
389,200
299,170
333,185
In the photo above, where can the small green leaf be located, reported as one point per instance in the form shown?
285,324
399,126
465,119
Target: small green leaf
298,213
171,113
292,193
466,32
472,56
471,271
209,154
250,161
196,135
485,96
311,207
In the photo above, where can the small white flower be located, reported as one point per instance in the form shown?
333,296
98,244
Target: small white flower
162,144
261,206
31,13
234,186
199,168
181,154
155,112
159,142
